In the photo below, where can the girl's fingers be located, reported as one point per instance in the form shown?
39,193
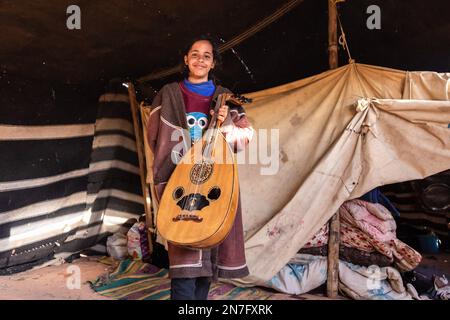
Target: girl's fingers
223,111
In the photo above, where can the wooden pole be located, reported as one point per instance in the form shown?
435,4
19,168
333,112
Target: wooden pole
332,35
333,257
140,152
334,227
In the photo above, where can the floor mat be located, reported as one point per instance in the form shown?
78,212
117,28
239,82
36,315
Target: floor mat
135,280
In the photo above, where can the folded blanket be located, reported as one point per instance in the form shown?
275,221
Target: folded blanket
371,218
352,255
370,227
306,272
349,236
378,226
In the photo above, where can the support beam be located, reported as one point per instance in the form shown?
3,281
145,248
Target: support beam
332,35
333,257
334,227
140,151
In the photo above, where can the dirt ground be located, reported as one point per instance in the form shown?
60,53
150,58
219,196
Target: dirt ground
60,281
55,282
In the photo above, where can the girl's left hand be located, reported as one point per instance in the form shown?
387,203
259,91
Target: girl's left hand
223,112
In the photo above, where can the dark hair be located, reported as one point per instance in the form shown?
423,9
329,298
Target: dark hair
216,55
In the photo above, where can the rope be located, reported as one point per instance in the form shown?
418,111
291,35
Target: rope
233,42
342,38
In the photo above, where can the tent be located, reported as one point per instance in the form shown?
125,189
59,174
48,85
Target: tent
71,175
68,181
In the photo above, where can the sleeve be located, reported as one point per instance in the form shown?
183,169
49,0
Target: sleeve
153,129
236,128
153,122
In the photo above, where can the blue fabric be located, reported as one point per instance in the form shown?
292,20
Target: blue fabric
205,89
375,196
197,122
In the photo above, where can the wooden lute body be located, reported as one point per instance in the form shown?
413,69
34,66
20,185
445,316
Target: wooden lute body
198,206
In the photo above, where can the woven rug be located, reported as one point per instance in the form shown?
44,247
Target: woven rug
136,280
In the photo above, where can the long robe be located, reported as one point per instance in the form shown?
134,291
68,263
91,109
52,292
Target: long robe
168,114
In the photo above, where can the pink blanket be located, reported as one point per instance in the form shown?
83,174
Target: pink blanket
370,227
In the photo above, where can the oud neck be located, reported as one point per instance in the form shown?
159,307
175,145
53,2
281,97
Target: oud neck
221,100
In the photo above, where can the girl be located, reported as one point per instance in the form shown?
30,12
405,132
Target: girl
187,105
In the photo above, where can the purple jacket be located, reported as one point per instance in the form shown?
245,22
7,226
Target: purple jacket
167,116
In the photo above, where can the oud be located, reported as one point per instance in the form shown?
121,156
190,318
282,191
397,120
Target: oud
199,203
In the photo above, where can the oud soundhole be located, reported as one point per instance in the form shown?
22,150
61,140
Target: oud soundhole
178,193
201,172
214,193
193,202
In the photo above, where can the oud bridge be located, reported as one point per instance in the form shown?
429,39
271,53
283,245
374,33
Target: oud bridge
187,217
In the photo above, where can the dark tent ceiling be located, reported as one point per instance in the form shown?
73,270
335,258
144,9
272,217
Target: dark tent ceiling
131,38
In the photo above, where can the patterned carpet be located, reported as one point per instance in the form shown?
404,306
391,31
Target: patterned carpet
135,280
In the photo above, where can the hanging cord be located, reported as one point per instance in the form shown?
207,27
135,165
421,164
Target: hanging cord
342,38
233,42
343,42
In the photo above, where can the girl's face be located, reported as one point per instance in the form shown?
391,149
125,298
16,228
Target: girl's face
200,60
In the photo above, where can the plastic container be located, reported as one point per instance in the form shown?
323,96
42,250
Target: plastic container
116,246
429,243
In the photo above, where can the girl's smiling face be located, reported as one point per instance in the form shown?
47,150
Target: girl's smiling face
200,60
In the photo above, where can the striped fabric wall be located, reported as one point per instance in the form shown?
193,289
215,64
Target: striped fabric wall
68,173
424,205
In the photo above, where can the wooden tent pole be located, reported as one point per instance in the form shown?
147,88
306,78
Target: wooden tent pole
334,227
332,35
140,152
333,256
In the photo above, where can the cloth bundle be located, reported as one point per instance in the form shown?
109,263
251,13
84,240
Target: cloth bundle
369,228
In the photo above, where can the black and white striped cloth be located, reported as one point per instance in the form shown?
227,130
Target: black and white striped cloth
422,211
69,175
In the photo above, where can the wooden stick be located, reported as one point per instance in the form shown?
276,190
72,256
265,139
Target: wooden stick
140,152
334,233
333,257
332,35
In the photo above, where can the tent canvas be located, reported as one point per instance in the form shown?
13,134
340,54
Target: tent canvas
70,178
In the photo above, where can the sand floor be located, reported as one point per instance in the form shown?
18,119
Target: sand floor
68,281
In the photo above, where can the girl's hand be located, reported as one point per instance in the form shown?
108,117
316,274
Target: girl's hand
222,114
